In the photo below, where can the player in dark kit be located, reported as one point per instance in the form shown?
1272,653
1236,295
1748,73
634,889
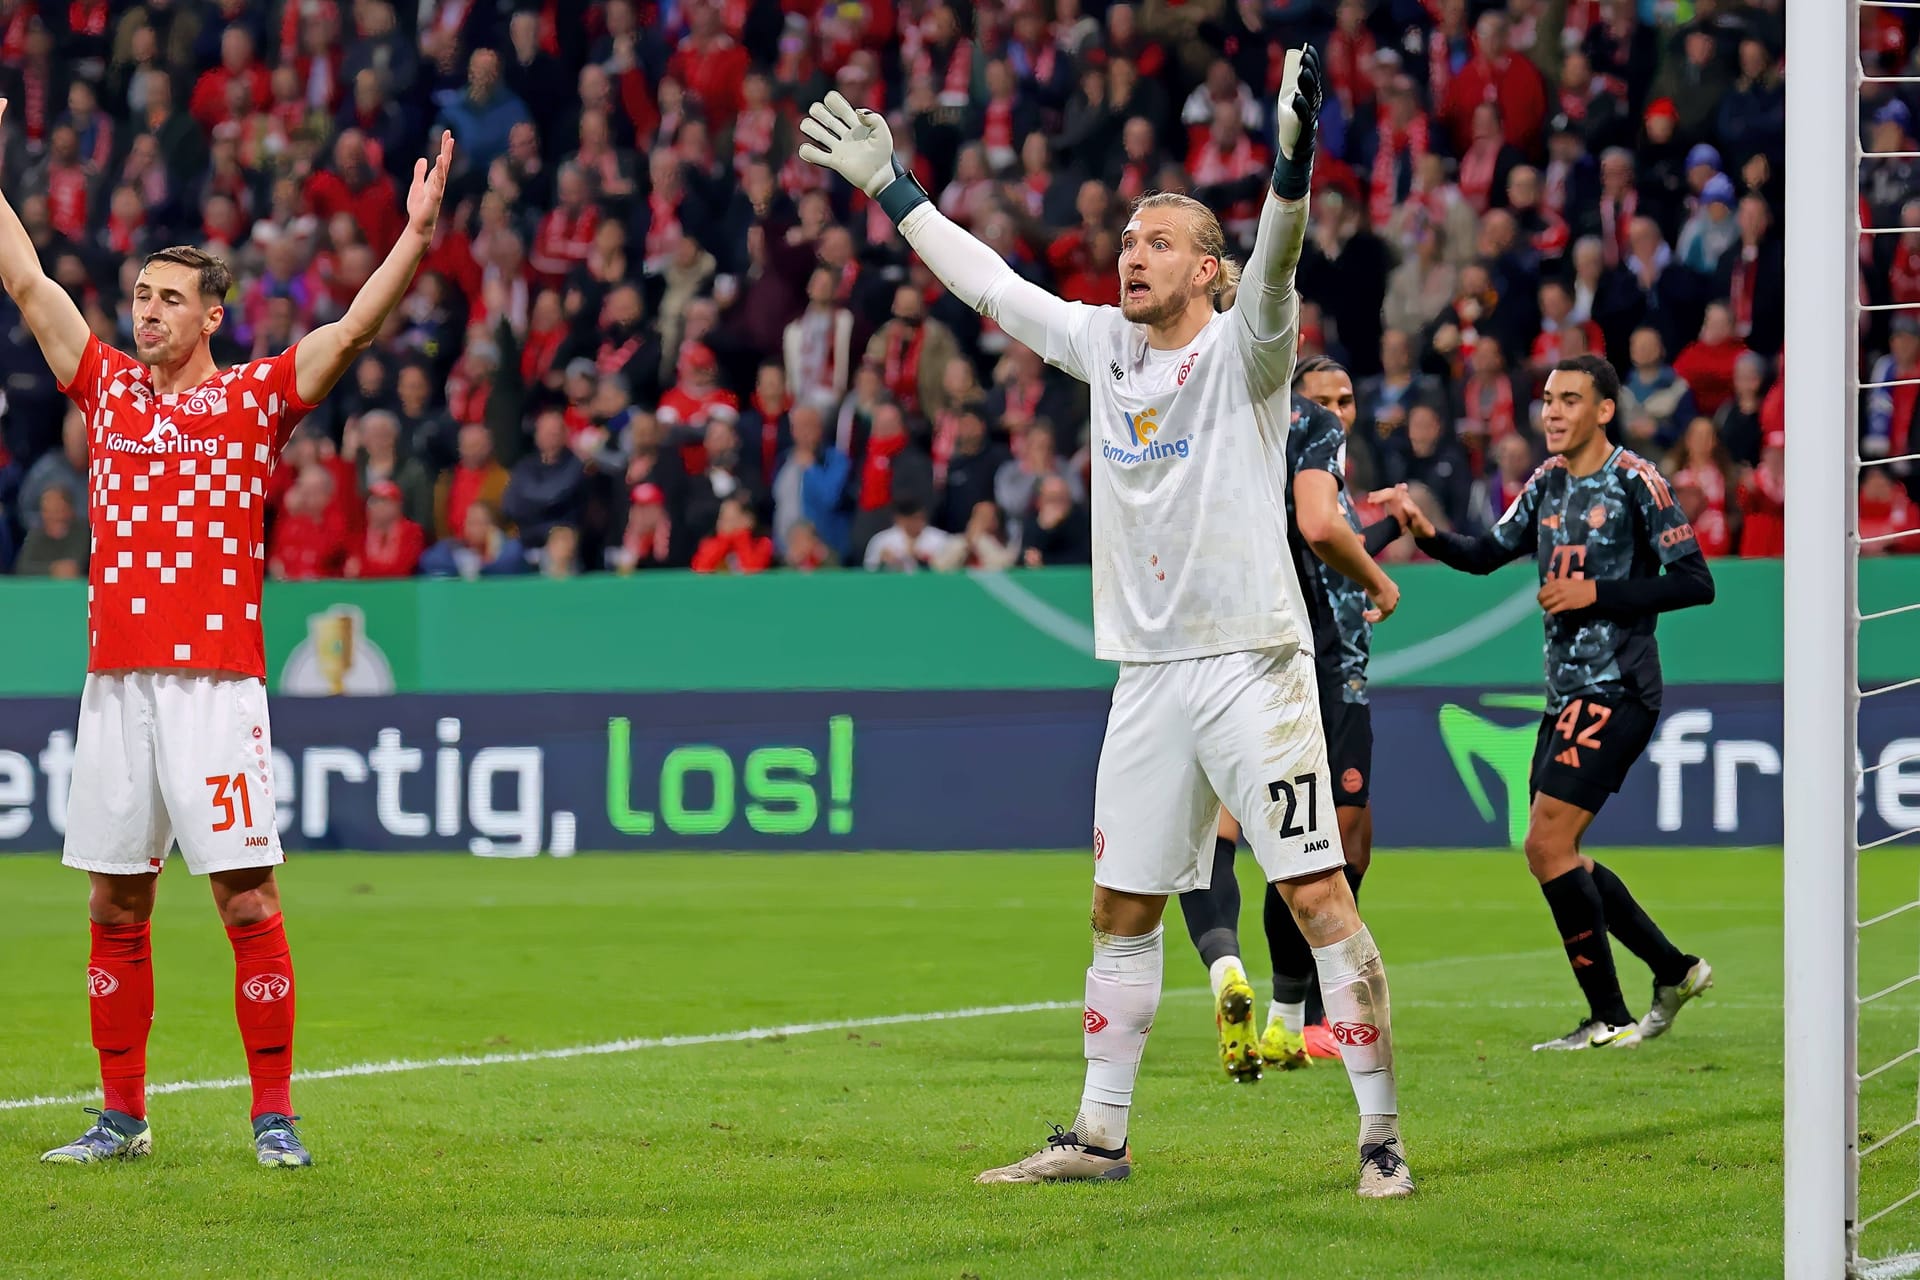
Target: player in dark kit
1602,525
1340,614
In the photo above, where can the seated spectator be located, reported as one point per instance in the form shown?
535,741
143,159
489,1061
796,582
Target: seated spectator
1885,509
310,538
1711,231
810,487
806,553
1059,531
909,544
373,446
1424,456
476,477
1699,465
730,472
912,352
483,548
546,486
1738,420
1763,496
63,468
734,546
391,545
649,541
58,544
1707,363
560,558
982,545
1653,391
1017,483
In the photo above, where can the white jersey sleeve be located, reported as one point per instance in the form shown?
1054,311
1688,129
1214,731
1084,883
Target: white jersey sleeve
1057,330
1189,510
1267,305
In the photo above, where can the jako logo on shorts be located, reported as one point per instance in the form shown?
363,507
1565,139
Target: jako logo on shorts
100,982
266,988
1144,429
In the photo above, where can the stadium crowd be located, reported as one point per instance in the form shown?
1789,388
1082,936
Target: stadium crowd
648,335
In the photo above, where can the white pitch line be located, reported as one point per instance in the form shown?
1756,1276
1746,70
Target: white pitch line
401,1065
1905,1264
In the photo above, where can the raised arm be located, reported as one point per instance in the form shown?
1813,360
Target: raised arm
50,312
324,356
1266,302
857,145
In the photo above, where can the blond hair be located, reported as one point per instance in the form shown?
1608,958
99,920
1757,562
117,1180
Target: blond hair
1208,238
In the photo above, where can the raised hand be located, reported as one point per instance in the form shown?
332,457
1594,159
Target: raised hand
853,142
1301,92
429,189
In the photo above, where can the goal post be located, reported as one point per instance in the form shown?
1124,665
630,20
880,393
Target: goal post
1820,688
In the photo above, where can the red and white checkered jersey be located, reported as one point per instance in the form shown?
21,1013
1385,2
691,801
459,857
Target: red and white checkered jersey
176,499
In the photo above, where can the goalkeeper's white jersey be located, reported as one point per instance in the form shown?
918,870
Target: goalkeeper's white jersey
1190,554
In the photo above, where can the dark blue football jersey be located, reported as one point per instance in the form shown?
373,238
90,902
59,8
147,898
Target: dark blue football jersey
1336,605
1619,522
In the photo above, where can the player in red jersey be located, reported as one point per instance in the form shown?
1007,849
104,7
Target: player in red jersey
173,744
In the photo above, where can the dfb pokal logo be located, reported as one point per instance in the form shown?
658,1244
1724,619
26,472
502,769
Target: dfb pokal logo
100,982
266,988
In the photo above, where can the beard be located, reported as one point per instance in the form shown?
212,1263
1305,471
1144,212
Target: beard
1158,308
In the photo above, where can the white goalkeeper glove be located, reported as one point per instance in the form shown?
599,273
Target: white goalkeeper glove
853,142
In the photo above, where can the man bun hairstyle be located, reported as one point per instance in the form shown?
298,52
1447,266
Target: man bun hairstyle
216,277
1208,237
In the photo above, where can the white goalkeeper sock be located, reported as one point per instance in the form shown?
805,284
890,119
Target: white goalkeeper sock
1292,1015
1354,984
1123,991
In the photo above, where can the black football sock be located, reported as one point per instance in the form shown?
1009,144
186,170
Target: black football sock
1213,913
1287,948
1316,1007
1637,932
1582,921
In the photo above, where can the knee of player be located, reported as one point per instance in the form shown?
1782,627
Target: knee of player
1323,908
251,906
1545,848
121,899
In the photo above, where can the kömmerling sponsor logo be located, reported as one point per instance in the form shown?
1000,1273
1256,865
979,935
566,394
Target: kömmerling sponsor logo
165,445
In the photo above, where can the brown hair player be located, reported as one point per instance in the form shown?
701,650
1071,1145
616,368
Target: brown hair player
1614,552
173,744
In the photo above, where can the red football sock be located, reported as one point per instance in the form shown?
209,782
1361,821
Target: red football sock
120,987
263,1004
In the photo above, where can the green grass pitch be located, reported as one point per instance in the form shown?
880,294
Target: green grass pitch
850,1151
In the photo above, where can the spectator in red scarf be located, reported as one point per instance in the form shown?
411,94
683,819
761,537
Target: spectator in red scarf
734,546
694,402
1753,278
1763,525
1546,233
1556,318
1707,363
565,238
1487,161
391,545
766,426
649,540
1489,411
912,351
476,477
818,346
1497,74
310,538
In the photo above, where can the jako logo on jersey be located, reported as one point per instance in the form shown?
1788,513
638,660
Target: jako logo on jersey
1113,367
1095,1021
101,983
1142,430
268,987
164,438
1357,1034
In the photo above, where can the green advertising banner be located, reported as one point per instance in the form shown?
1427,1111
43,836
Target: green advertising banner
1022,630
